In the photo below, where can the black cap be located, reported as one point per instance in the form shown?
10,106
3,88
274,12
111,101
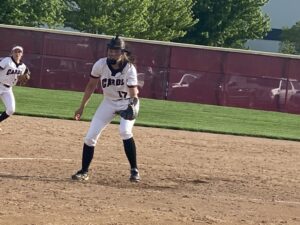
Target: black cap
116,43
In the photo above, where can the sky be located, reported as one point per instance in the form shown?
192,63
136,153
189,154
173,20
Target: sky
283,13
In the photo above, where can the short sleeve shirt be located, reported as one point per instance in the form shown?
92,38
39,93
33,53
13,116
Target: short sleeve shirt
10,70
115,83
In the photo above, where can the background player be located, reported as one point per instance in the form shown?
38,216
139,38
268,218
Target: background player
11,70
119,84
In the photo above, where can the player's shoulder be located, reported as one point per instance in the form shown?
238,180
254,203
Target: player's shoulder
7,59
99,64
4,61
23,65
101,61
98,67
130,67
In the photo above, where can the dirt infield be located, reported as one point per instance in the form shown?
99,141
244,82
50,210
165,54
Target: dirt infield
187,177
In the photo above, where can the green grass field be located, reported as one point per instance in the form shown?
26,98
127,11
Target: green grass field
165,114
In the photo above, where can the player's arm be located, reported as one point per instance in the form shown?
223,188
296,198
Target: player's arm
132,110
133,91
133,94
89,90
27,71
3,63
132,83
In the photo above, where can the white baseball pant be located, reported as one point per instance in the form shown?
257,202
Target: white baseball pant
104,115
8,98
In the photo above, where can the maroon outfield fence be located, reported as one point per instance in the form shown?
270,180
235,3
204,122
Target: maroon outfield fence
170,71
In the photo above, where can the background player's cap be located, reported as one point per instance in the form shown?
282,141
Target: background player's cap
17,47
116,43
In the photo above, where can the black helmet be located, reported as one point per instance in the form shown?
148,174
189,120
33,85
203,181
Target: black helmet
116,43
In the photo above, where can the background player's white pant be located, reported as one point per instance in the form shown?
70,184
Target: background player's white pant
104,115
8,98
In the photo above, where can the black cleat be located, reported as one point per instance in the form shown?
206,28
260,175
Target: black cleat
80,176
134,175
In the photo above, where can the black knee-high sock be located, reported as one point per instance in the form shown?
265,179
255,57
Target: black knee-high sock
3,116
87,156
130,150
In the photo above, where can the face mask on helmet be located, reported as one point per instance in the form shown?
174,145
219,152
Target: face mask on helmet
115,43
111,61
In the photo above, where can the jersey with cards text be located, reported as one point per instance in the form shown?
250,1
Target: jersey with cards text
115,83
10,70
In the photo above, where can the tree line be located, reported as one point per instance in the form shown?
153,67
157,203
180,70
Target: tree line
222,23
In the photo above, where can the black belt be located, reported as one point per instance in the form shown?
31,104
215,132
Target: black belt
121,99
5,85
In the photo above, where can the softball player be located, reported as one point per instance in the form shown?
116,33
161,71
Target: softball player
11,68
119,84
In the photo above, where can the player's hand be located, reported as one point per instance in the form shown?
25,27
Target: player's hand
24,78
78,114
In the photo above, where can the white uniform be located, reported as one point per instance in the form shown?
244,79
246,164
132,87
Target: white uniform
9,72
114,84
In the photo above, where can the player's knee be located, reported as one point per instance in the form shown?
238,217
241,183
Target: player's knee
126,134
90,141
10,111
